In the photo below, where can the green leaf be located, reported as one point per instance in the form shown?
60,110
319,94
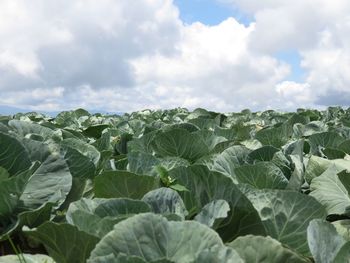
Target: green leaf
344,146
210,138
95,131
10,192
166,201
261,175
98,216
28,259
317,165
286,215
113,184
332,153
297,177
264,153
213,213
58,240
205,186
51,182
343,255
330,192
141,162
79,165
161,239
325,140
275,136
180,143
324,241
203,123
143,144
264,250
4,174
26,128
32,218
226,161
217,254
13,156
84,148
178,187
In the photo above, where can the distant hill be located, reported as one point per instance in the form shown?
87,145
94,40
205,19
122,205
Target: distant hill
8,110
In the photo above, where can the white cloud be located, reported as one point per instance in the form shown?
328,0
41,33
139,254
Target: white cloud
212,69
319,30
129,55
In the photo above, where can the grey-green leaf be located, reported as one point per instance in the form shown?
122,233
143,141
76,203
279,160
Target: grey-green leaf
324,241
180,143
27,257
329,191
213,213
13,156
265,250
166,201
286,215
98,216
261,175
51,182
151,237
205,186
217,254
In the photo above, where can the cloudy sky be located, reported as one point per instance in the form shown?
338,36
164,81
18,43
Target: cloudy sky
224,55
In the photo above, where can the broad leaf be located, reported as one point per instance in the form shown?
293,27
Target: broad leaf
98,216
151,237
13,156
264,250
205,186
324,241
329,190
113,184
58,240
28,258
261,175
51,182
166,201
180,143
213,213
286,215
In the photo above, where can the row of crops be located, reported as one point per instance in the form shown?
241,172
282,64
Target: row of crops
175,186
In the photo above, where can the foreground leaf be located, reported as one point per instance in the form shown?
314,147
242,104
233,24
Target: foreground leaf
324,241
206,186
58,240
264,250
329,190
27,257
98,216
151,237
286,215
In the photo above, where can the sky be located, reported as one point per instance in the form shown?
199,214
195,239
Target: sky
223,55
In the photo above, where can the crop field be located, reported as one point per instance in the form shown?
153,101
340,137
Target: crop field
175,186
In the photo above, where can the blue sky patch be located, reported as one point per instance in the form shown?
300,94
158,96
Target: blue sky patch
293,58
209,12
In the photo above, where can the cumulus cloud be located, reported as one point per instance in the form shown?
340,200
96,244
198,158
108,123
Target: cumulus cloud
129,55
213,68
319,30
44,44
